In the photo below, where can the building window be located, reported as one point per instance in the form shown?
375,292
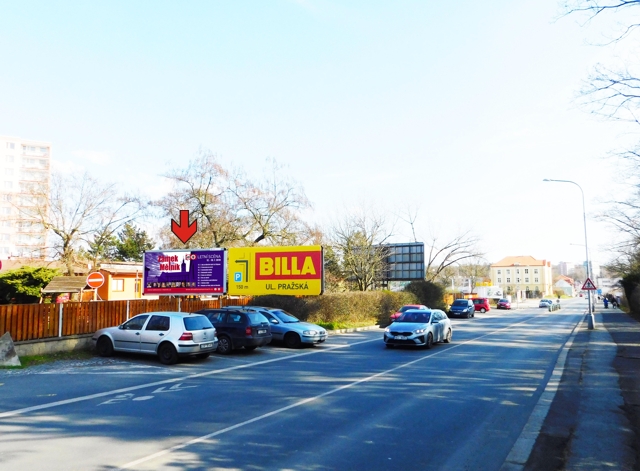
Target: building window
508,280
526,271
535,271
499,272
8,172
535,280
117,284
526,280
518,280
44,150
499,280
508,271
517,271
8,185
11,145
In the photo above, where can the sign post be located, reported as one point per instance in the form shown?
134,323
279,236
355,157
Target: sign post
95,280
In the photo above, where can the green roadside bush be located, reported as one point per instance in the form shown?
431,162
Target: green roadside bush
341,310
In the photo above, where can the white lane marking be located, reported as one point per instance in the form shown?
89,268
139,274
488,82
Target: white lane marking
169,381
304,401
174,388
208,373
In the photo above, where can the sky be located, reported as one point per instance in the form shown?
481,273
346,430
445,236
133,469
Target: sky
454,112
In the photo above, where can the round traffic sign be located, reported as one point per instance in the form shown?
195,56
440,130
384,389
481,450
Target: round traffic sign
95,279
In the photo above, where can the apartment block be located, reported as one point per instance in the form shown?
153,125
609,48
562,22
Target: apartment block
25,175
523,274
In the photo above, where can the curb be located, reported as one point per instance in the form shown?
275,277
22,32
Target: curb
355,329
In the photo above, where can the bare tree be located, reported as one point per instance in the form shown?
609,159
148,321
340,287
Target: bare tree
439,256
232,210
357,241
77,209
477,270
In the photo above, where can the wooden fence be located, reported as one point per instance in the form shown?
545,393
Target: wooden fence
42,321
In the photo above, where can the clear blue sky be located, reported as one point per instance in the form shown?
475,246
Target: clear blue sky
456,109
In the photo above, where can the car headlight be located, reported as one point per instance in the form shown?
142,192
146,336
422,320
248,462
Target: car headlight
419,331
387,329
309,332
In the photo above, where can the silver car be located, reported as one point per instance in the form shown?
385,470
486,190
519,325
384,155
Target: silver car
419,328
290,330
169,335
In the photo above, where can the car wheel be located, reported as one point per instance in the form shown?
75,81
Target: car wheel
104,346
224,345
202,356
251,348
447,339
167,354
292,340
429,343
483,310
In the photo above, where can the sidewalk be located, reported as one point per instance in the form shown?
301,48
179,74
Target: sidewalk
593,421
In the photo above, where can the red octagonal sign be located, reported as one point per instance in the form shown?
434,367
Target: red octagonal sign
95,279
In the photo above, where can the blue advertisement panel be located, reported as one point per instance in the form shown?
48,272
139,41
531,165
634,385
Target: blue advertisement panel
175,272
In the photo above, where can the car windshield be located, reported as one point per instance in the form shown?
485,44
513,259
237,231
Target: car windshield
460,302
504,300
415,316
256,318
285,317
197,323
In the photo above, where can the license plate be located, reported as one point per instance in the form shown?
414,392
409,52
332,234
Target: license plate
206,345
400,337
261,331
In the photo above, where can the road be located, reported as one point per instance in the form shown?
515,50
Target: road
348,404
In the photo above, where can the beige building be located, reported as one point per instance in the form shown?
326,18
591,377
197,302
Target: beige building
523,274
24,165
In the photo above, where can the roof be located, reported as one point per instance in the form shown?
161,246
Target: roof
15,263
66,284
521,260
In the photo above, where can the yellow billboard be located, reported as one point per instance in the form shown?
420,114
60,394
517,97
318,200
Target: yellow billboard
257,271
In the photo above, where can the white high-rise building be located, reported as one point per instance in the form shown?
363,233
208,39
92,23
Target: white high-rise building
25,168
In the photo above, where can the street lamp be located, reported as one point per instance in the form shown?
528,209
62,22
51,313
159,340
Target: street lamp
584,217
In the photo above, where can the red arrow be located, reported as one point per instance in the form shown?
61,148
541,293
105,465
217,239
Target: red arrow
184,231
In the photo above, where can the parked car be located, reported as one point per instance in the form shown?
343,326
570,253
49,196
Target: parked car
290,330
419,327
238,328
545,303
503,304
169,335
404,308
481,304
462,308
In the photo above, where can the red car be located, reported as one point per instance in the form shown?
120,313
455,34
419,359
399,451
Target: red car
481,304
503,304
406,307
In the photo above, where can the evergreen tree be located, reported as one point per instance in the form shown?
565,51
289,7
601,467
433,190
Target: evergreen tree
131,244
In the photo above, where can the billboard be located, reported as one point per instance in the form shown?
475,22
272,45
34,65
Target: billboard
295,270
185,272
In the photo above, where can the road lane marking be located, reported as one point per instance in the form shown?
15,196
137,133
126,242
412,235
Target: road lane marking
302,402
89,397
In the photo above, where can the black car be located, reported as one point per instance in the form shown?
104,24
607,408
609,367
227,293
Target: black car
462,308
238,328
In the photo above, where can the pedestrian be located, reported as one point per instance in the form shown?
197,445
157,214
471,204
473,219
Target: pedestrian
606,303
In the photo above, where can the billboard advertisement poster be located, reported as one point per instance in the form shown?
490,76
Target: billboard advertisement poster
297,270
184,272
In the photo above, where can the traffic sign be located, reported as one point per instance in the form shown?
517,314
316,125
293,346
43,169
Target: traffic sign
95,279
588,285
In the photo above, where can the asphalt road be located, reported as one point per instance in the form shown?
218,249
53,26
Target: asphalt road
348,404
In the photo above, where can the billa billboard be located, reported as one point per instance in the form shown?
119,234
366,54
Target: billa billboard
184,272
295,270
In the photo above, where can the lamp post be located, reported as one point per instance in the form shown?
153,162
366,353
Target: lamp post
586,247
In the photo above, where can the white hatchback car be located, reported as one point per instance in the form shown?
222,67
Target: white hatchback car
169,335
419,328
